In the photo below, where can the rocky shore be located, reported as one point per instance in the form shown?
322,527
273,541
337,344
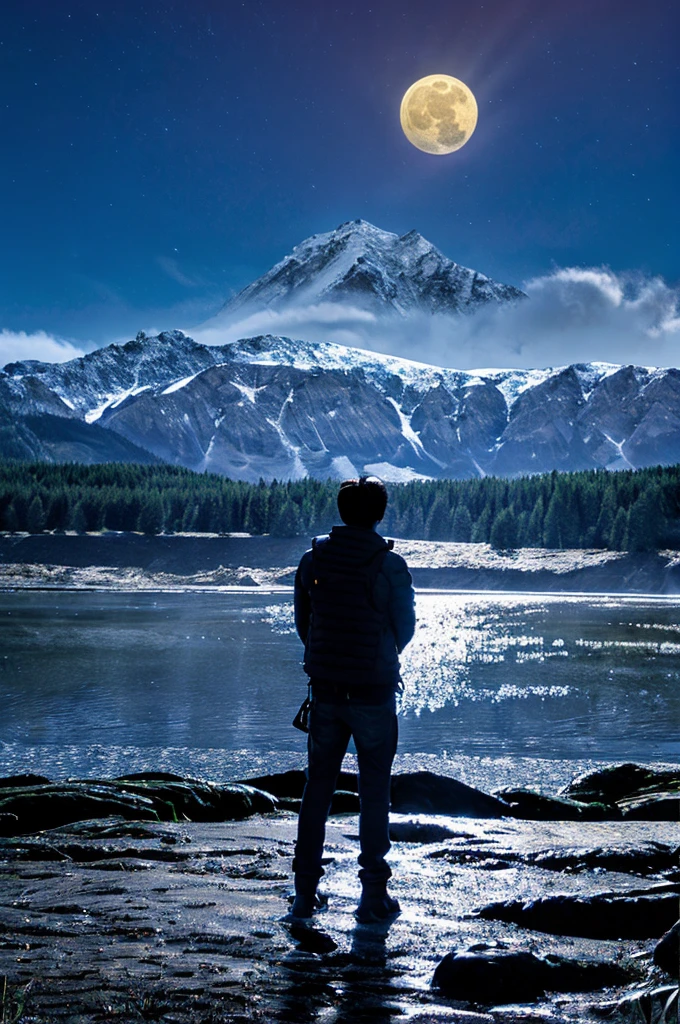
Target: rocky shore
130,560
152,897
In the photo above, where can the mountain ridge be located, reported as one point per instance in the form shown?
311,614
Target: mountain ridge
275,407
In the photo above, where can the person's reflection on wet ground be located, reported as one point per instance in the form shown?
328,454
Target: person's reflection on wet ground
349,987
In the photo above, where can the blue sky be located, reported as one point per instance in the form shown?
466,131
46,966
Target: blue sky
159,156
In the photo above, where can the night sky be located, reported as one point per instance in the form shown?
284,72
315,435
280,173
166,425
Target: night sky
158,157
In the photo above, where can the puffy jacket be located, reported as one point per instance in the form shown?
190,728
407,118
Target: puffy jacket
354,608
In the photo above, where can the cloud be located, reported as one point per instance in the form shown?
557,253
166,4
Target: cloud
17,345
173,270
327,321
573,314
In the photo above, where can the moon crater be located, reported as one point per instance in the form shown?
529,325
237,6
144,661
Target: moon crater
438,114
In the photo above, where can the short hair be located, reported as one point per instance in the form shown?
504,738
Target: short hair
362,502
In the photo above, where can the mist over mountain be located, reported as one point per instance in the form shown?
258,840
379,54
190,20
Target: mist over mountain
367,288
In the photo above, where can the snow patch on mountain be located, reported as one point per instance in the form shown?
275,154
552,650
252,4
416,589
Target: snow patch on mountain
407,430
394,474
179,384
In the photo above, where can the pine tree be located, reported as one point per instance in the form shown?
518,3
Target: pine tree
151,517
77,519
257,512
619,531
644,522
534,537
482,528
504,530
11,520
552,534
437,526
605,518
287,522
461,526
189,518
35,517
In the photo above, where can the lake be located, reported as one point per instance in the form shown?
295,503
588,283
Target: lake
499,688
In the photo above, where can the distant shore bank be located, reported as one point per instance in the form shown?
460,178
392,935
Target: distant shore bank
183,561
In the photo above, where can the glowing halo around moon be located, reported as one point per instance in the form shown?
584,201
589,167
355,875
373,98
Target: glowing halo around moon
438,114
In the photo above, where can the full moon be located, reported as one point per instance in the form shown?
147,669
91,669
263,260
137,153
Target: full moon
438,114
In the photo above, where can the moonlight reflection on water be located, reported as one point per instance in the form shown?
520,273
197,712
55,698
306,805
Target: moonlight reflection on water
208,683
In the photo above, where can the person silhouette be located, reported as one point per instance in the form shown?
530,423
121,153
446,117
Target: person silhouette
355,613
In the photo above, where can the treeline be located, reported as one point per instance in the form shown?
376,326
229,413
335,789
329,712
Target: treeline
630,510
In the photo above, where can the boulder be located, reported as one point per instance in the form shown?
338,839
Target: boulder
345,802
428,793
661,807
48,806
621,781
195,800
649,859
667,951
15,781
643,914
150,777
291,784
8,824
420,832
285,784
647,1006
534,806
504,976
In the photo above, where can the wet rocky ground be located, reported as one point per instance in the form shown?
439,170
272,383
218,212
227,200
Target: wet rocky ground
504,919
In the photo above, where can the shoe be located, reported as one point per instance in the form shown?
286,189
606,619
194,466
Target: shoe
374,908
306,903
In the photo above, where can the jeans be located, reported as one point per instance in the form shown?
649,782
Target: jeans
375,731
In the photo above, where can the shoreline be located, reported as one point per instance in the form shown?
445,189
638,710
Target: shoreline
208,563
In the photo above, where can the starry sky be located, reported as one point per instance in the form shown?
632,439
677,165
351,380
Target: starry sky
157,157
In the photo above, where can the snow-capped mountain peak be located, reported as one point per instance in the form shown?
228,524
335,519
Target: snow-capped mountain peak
361,265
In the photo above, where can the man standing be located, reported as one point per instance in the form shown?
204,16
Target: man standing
354,612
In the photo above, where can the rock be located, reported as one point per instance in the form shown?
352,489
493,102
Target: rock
620,781
344,802
662,807
207,801
292,783
46,807
286,784
427,793
667,951
496,975
651,1006
8,824
492,976
150,777
534,806
649,859
289,803
420,832
644,914
17,781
